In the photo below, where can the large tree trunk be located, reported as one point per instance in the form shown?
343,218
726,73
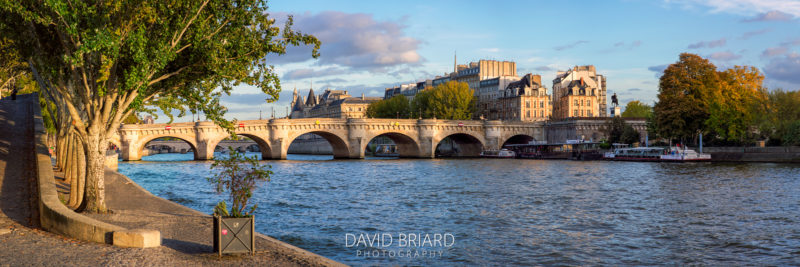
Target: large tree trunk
69,153
94,197
61,150
79,174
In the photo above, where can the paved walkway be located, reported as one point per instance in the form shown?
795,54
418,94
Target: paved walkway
186,233
21,243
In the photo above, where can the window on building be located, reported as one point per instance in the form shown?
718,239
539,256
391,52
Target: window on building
589,102
576,103
589,113
541,104
528,104
359,109
575,113
528,114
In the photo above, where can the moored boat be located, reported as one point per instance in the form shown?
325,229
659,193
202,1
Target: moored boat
503,153
677,154
386,150
635,154
656,154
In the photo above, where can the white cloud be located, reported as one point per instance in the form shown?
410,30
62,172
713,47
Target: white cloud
770,16
745,7
356,41
298,74
709,44
724,56
570,45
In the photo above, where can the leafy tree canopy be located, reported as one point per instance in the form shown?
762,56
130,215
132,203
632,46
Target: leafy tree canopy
637,109
682,109
396,107
449,101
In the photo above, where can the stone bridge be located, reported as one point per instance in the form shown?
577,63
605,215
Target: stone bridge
348,137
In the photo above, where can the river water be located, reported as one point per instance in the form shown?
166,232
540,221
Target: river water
511,212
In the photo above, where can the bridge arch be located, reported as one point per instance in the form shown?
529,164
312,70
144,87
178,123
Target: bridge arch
407,146
263,145
462,144
341,149
513,139
147,139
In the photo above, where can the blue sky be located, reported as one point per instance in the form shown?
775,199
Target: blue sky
370,45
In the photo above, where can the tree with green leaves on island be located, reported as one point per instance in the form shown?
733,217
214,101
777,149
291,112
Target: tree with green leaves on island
449,101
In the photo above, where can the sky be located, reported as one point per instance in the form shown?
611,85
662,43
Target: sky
370,45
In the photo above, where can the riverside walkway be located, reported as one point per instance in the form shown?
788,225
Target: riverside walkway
186,233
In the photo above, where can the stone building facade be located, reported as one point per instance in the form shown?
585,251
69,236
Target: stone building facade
489,91
475,72
579,92
524,100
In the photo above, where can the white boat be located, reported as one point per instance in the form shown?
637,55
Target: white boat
503,153
674,154
635,154
677,154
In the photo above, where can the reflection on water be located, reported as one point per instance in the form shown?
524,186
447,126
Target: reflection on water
516,212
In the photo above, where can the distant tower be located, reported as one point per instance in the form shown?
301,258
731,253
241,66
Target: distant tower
294,95
455,62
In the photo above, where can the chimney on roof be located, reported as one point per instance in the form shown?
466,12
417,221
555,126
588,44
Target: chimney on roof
581,81
362,96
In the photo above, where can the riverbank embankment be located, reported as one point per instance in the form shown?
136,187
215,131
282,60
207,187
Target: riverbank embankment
29,204
789,154
187,233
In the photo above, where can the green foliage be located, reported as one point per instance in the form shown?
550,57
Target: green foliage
630,135
681,110
733,106
604,145
618,131
637,109
132,119
728,106
396,107
173,55
792,136
778,112
449,101
238,175
614,129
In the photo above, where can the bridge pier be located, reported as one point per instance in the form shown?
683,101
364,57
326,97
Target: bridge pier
204,151
128,148
356,148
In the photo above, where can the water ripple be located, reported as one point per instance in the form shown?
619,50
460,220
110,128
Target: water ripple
517,212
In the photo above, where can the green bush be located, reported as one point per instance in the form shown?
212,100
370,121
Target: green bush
792,136
238,176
